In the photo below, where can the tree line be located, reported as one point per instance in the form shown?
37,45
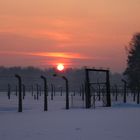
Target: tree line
31,76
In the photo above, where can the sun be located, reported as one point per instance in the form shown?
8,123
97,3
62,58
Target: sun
60,67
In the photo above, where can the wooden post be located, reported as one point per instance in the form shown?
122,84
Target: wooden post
99,92
61,91
20,93
16,91
9,91
52,90
67,92
37,91
74,93
134,96
80,91
125,88
88,94
23,86
32,90
138,97
45,93
83,91
108,89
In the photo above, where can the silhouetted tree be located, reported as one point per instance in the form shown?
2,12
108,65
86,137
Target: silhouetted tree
133,62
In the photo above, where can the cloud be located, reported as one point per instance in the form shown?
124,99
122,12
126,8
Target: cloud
49,54
60,55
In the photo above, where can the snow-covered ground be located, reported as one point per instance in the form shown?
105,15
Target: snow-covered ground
119,122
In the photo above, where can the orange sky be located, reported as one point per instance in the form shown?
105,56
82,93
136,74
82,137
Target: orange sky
77,33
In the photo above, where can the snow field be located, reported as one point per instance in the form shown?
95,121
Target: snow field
119,122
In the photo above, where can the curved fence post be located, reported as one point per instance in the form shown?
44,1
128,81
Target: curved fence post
45,93
20,93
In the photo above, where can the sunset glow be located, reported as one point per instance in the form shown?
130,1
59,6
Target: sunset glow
77,33
60,55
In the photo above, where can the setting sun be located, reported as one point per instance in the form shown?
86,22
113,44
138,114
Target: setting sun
60,67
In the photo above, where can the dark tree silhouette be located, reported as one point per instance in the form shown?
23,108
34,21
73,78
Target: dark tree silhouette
133,62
